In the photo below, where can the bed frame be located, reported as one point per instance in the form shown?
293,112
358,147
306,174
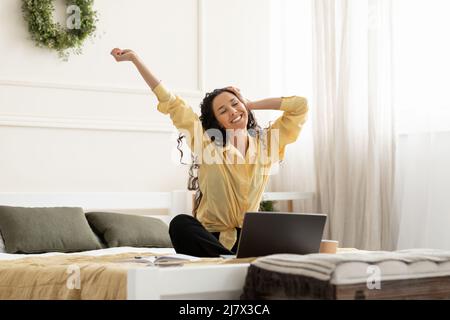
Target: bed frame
163,205
224,282
190,282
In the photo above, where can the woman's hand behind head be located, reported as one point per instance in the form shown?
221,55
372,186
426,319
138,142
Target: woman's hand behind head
238,94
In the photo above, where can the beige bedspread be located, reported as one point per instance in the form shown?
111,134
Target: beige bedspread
75,277
71,277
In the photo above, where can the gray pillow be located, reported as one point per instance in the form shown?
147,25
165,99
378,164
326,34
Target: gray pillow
2,244
125,230
38,230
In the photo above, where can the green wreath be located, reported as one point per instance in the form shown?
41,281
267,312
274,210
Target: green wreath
46,33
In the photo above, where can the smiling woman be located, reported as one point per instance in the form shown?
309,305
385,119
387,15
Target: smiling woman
227,129
229,113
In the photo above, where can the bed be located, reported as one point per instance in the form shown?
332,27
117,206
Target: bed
194,281
124,279
115,274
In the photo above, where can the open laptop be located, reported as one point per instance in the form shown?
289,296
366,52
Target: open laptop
265,233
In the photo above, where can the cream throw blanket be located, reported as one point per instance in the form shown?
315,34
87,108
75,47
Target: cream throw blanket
322,266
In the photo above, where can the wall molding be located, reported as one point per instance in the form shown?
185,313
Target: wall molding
200,48
96,88
83,123
91,123
198,93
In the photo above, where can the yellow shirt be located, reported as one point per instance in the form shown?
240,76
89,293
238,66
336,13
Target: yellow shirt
232,188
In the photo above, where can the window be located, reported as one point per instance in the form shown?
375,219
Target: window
422,65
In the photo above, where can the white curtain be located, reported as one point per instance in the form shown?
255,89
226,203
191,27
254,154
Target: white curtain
422,68
379,101
422,194
291,52
353,119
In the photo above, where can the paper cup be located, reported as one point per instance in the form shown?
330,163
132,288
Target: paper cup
328,246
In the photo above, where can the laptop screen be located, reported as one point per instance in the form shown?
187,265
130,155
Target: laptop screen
266,233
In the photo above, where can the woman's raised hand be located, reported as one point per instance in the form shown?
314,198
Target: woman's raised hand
123,55
238,94
130,55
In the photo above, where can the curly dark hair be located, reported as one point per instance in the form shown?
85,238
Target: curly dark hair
209,121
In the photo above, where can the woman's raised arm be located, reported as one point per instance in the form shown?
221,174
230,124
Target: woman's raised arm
182,115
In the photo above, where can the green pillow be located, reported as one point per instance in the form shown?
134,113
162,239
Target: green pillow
125,230
38,230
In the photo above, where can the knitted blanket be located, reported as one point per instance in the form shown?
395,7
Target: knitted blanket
314,275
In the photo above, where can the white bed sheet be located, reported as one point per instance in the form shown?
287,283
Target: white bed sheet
100,252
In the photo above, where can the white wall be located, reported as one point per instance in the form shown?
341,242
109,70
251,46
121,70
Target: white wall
90,124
